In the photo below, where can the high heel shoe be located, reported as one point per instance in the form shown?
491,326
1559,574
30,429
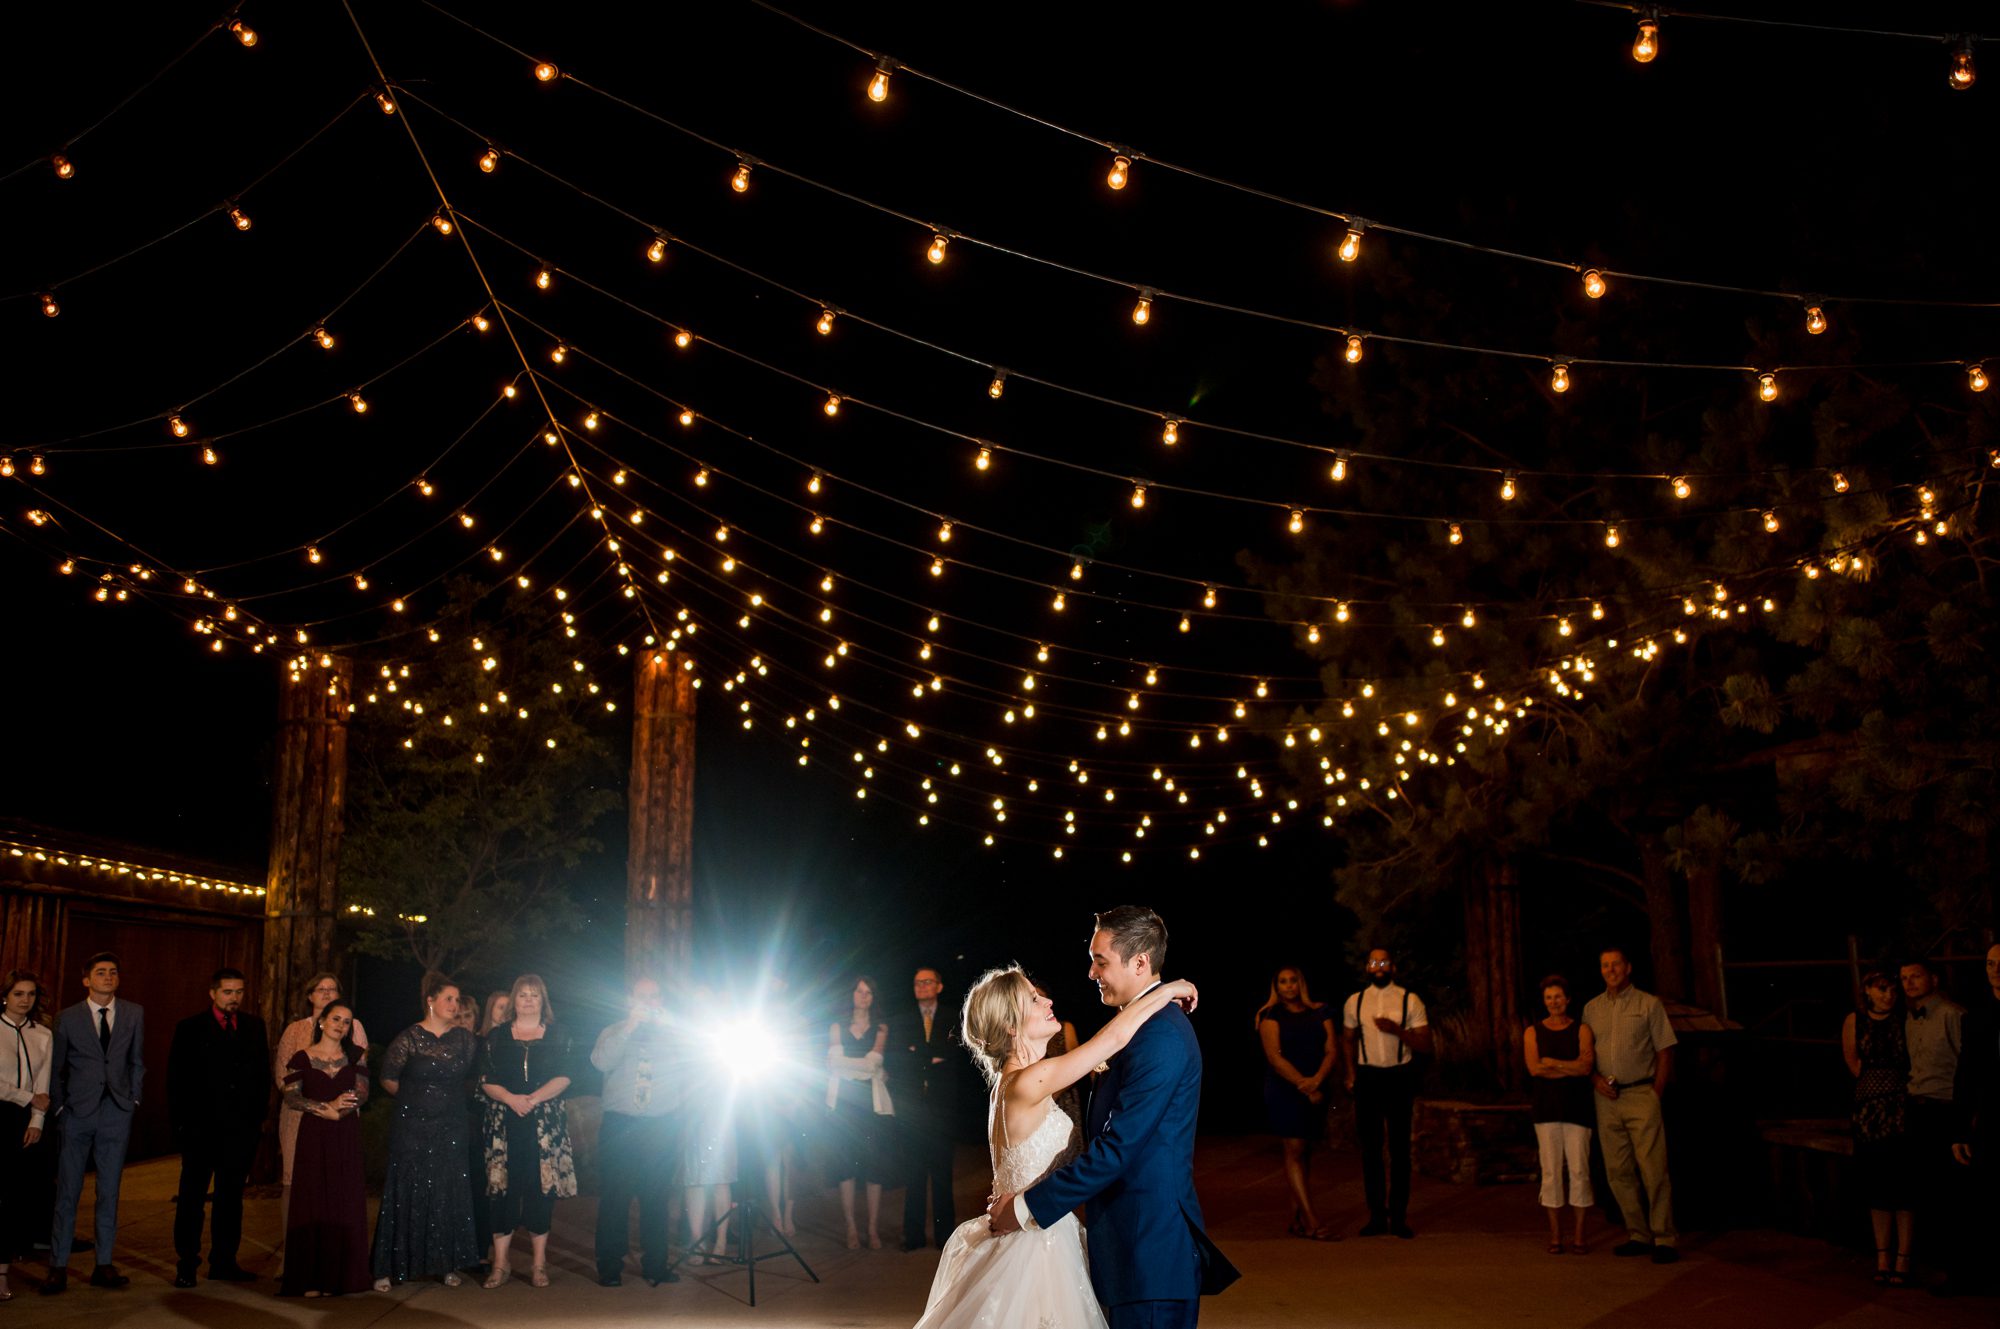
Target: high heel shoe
500,1274
538,1276
1882,1265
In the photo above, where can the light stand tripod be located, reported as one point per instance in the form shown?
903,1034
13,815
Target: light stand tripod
752,1216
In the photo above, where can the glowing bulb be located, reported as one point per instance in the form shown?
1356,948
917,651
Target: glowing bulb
1507,489
246,35
177,426
1340,614
481,322
324,338
813,483
240,217
544,279
37,465
1597,612
1142,312
1559,378
546,72
312,553
590,421
209,457
1839,482
1647,44
1562,627
878,86
1121,171
1962,75
1353,351
1350,244
558,353
937,567
1297,524
1076,570
1312,633
1170,433
1339,469
1815,320
657,250
1456,535
944,532
359,402
683,338
1138,498
1767,387
1208,597
1059,604
1975,377
687,419
983,460
1593,284
386,102
65,169
1681,487
1470,620
700,477
832,404
1186,625
425,487
49,306
936,252
998,385
489,160
825,324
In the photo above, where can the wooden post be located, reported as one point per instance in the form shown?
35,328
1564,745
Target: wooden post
1705,937
659,866
1493,966
307,816
1663,911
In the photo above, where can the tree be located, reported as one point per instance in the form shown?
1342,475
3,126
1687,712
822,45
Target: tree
475,786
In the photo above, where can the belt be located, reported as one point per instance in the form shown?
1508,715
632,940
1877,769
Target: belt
1631,1084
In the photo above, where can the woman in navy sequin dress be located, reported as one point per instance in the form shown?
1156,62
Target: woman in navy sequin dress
425,1226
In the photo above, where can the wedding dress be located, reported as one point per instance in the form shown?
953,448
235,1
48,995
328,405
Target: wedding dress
1032,1279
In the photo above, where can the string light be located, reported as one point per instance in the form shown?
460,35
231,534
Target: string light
1076,569
1121,172
1455,535
825,324
1340,614
683,338
878,86
177,426
1170,433
1559,377
1681,487
1975,377
1353,352
657,250
1297,524
312,554
1338,471
323,337
1138,501
209,457
1767,387
65,169
1142,313
385,101
998,385
49,306
1839,482
359,403
1962,75
1611,536
1208,597
983,460
1350,244
1507,487
936,252
544,279
1593,283
558,353
37,465
1815,320
832,404
489,160
248,36
481,323
240,217
1646,46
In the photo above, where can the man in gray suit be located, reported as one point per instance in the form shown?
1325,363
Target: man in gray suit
97,1070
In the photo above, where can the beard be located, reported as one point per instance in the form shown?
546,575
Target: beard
1379,980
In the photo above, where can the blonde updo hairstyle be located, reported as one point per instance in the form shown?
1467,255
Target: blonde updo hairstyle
994,1010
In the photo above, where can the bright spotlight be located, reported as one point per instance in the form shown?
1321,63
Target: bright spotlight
746,1048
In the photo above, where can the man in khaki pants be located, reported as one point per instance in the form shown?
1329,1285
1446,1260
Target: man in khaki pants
1635,1059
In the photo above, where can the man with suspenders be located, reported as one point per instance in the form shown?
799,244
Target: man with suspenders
1386,1028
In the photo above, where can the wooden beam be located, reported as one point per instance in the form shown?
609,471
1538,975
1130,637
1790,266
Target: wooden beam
659,871
307,816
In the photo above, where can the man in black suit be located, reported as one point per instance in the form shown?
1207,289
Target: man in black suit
218,1089
923,1081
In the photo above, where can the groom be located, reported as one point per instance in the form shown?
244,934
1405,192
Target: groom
1150,1261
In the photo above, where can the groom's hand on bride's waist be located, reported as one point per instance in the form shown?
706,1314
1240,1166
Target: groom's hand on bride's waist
1000,1217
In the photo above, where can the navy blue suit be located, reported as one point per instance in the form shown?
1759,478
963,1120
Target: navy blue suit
1150,1260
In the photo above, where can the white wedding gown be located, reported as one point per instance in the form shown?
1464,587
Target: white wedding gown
1034,1279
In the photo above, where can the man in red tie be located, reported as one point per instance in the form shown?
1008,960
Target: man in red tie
218,1088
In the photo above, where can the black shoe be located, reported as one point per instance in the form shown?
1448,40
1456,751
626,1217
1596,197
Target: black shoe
1665,1255
184,1276
57,1281
665,1276
610,1280
1375,1227
231,1273
1401,1229
105,1275
1630,1249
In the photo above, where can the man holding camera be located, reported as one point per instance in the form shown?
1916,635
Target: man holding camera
639,1145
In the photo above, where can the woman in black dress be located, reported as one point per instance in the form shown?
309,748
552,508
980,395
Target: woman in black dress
326,1227
525,1071
1878,1057
1561,1054
25,1045
425,1224
856,1094
1299,1045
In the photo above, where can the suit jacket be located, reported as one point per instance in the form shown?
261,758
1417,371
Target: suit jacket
216,1081
82,1075
925,1093
1135,1176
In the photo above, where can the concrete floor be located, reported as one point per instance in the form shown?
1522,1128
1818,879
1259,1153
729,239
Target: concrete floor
1477,1261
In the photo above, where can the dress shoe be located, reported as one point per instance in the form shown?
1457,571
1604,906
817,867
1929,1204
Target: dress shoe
231,1273
610,1280
105,1275
1401,1229
57,1281
664,1276
1665,1255
184,1276
1632,1249
1375,1227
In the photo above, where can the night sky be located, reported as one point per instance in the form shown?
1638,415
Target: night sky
1745,155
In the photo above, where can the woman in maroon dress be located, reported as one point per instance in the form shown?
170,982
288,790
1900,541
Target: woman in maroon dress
326,1233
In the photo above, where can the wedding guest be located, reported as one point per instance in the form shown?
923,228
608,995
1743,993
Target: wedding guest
709,1161
97,1072
424,1227
1934,1029
1561,1053
1635,1059
497,1011
1386,1029
320,991
216,1100
1299,1051
526,1070
638,1145
924,1083
857,1093
1976,1095
1871,1042
25,1046
326,1237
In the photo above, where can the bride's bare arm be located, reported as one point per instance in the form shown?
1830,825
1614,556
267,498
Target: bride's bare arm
1053,1074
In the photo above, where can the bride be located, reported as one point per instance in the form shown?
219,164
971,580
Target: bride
1032,1278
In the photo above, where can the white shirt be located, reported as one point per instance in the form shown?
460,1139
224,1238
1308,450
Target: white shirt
110,1009
1378,1048
24,1064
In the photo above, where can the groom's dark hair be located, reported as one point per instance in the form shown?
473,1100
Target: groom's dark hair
1135,930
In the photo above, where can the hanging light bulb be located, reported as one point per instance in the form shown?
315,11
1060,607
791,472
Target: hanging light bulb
544,279
6,466
984,460
1058,604
489,160
832,404
1563,628
878,87
1646,46
700,477
1142,312
1611,536
998,385
240,217
425,487
825,324
1681,487
385,101
1121,172
1507,488
1340,614
65,169
1186,624
177,426
558,353
1815,320
813,483
1076,569
209,457
1962,75
937,567
683,338
657,250
49,306
1297,524
38,465
1338,471
1559,378
323,337
590,420
1975,377
1350,244
1767,387
246,35
312,554
1138,500
1839,482
944,532
481,322
1208,597
1170,433
546,72
1469,620
1455,535
1593,283
1770,520
359,402
936,252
